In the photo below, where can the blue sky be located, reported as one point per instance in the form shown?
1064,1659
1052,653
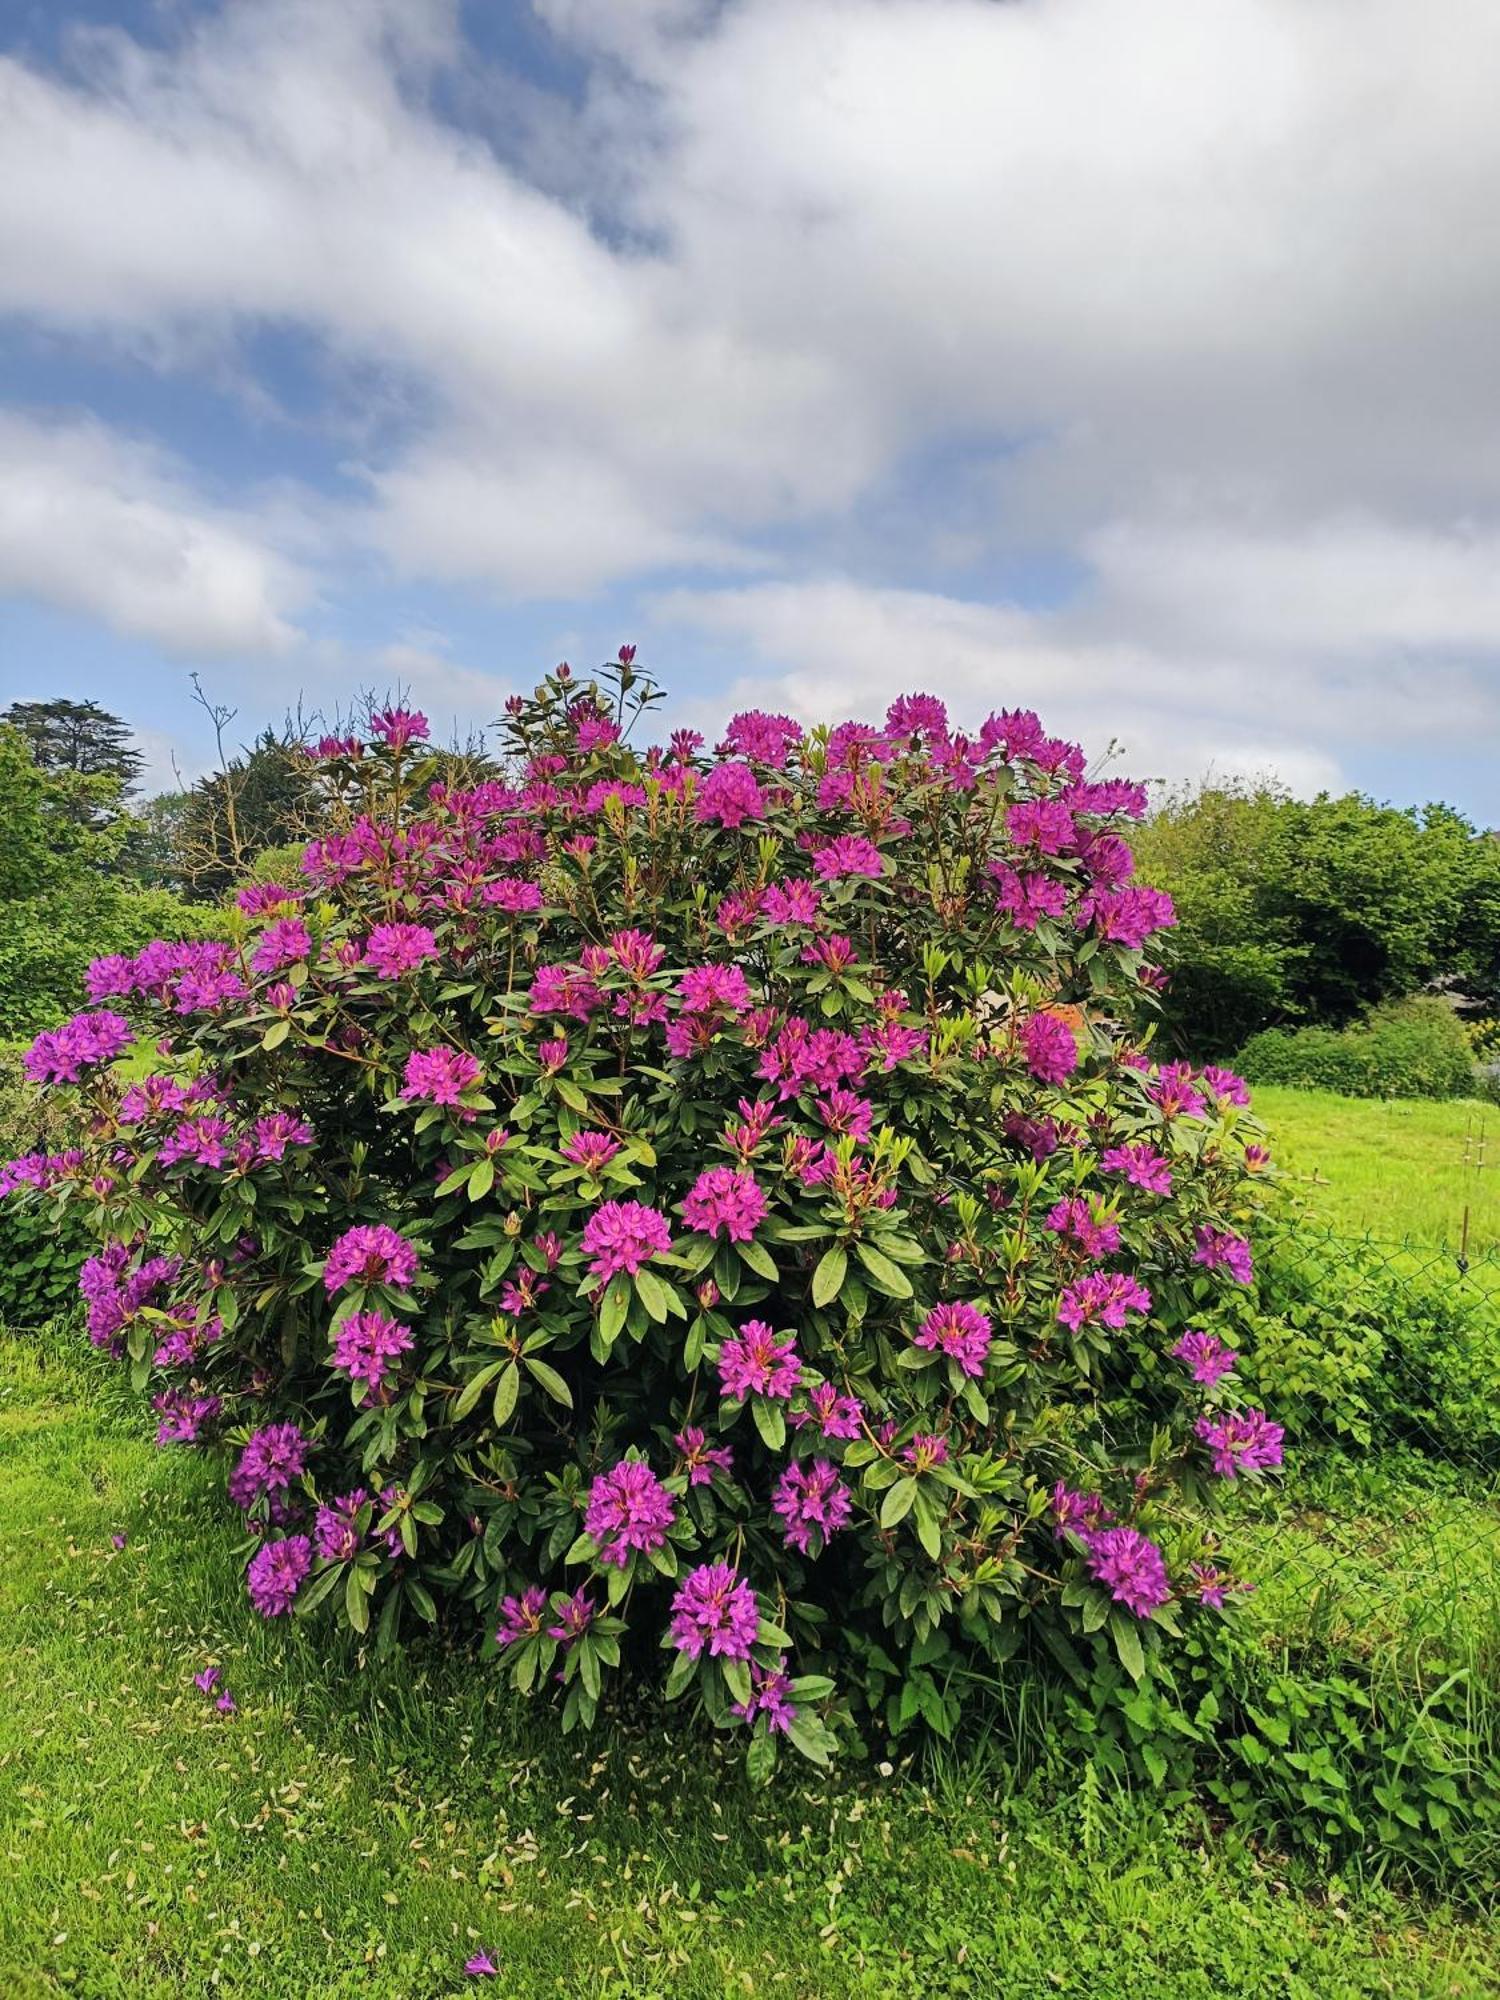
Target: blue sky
1127,359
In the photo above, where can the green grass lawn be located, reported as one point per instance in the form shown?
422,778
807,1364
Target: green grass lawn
1398,1168
362,1830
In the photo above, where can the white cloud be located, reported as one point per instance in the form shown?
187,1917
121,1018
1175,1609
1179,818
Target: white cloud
1205,296
93,522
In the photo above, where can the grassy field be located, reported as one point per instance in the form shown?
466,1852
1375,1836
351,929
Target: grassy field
354,1830
1398,1168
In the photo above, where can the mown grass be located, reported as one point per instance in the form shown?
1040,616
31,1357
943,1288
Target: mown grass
1402,1168
356,1829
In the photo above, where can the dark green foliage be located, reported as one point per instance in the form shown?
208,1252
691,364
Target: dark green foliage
1315,910
62,898
1411,1048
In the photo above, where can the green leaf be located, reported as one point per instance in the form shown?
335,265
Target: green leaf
652,1294
474,1388
276,1034
899,1502
507,1389
832,1269
612,1312
356,1603
884,1275
760,1260
929,1532
770,1422
481,1180
1127,1637
760,1758
736,1678
551,1381
814,1741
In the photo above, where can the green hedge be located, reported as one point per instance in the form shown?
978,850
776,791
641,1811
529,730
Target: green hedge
1413,1048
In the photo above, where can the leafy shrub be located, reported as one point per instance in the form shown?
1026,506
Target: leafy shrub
1308,1751
1413,1048
39,1255
706,1204
1373,1343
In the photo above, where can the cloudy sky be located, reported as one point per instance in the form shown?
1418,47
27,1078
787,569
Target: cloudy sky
1136,360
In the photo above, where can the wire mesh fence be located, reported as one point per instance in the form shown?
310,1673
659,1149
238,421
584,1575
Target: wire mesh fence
1381,1357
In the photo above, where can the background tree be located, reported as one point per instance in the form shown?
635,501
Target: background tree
63,899
1296,910
85,739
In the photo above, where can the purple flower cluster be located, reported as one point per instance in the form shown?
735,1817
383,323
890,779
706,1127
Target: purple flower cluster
41,1171
1205,1357
277,1572
714,989
439,1076
61,1055
722,1202
1141,1165
336,1527
285,942
194,978
622,1236
393,950
759,1362
713,1611
366,1346
1075,1218
522,1617
1131,1568
183,1416
1219,1249
629,1511
272,1458
1243,1441
116,1288
700,1459
836,1415
960,1331
811,1499
1050,1047
1102,1298
370,1254
770,1696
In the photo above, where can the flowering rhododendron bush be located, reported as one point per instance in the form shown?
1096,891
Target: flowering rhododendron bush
706,1215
